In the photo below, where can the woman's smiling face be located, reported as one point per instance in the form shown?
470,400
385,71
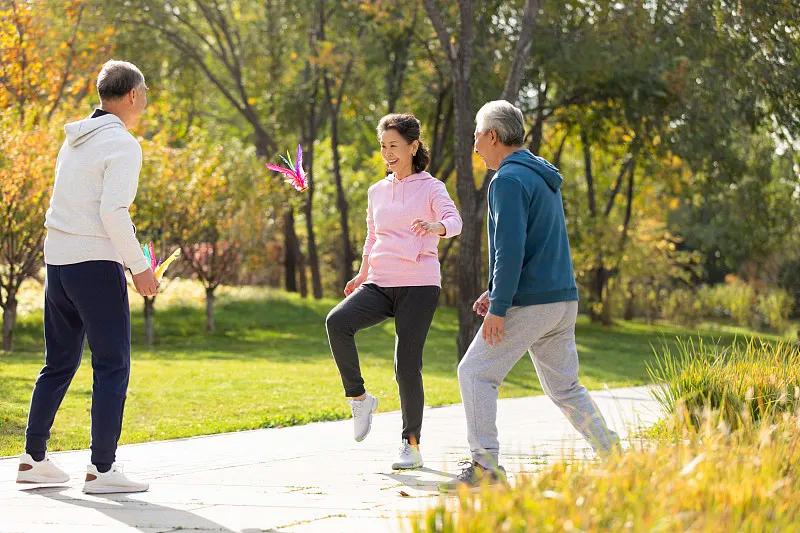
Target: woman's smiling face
396,152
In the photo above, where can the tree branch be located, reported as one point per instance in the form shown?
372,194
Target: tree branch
68,65
514,79
587,163
441,30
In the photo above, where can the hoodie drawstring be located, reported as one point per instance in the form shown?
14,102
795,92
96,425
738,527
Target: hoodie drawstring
402,190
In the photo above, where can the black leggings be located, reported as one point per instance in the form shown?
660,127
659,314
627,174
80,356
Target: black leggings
412,309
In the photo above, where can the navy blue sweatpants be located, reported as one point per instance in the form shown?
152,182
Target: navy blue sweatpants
84,300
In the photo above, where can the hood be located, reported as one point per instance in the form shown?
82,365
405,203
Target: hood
81,131
540,165
419,176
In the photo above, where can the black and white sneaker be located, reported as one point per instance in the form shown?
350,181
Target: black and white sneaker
473,475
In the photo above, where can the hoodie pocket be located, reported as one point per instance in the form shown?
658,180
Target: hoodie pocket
410,248
428,246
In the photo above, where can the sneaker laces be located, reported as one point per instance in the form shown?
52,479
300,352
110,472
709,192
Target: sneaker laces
405,448
467,470
356,405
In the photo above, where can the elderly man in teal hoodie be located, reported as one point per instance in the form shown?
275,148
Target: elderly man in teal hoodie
532,301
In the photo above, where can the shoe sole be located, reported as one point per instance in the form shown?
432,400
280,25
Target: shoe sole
464,486
406,467
39,480
469,487
369,427
114,490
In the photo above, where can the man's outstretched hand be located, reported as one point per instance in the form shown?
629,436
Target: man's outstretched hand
481,305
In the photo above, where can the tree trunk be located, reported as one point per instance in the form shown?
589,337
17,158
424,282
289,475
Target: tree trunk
9,320
630,304
599,301
605,317
149,320
334,107
308,206
470,258
471,199
397,51
347,258
289,251
210,326
301,273
537,132
313,256
300,262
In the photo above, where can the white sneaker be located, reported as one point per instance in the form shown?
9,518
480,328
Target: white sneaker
362,416
44,471
410,457
110,482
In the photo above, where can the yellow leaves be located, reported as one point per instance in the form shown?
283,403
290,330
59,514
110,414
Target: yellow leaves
27,156
327,57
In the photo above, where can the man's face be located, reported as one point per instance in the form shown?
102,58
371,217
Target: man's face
138,101
483,145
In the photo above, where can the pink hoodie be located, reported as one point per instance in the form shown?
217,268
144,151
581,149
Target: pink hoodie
397,256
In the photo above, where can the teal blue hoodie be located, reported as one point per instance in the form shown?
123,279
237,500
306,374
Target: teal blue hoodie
529,257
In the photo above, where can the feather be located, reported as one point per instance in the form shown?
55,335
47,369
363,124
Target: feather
299,162
294,173
153,260
159,271
146,251
282,170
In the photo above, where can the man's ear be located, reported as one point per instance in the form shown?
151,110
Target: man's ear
493,136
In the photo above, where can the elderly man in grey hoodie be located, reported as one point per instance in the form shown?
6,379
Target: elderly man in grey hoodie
90,238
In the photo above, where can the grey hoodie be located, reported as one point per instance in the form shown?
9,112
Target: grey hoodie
97,174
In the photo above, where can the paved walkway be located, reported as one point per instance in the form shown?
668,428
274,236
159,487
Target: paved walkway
298,479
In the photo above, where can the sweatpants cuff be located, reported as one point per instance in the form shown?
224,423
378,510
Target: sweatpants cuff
33,447
99,458
352,393
488,460
408,437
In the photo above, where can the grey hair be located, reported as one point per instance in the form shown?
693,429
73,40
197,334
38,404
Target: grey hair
118,78
504,118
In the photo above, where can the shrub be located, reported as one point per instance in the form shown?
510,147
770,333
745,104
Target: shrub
744,380
709,480
726,458
774,307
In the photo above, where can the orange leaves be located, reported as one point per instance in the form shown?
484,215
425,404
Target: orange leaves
42,62
27,155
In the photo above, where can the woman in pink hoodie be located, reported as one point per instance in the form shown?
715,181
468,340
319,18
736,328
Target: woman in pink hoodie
407,213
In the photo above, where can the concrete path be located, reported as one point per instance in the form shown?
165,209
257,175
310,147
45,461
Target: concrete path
298,479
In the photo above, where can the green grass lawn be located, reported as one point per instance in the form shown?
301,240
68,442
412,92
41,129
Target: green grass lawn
269,365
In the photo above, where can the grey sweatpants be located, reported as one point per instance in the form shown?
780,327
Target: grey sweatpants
547,332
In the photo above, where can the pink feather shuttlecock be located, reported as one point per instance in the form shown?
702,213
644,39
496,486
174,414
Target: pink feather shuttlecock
293,171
